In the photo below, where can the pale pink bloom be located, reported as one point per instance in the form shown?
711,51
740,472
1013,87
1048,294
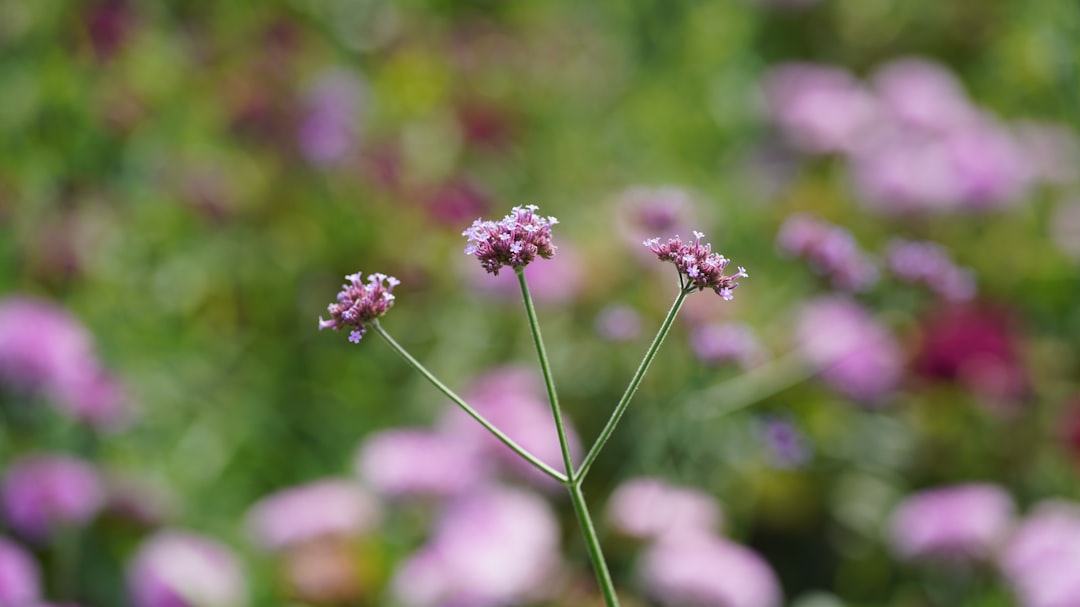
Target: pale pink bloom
1052,151
494,548
20,579
854,354
330,127
701,569
650,508
819,109
42,492
415,462
920,94
726,342
514,401
325,508
181,569
958,522
618,323
646,212
1041,560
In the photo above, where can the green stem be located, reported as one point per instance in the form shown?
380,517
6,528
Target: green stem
592,542
549,380
509,442
624,402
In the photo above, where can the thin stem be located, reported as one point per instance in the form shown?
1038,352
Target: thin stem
549,380
509,442
624,402
592,541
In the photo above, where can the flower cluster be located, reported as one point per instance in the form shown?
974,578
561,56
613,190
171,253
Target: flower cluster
358,303
929,263
514,241
696,262
829,249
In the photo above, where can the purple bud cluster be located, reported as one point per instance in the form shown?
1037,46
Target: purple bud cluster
930,264
514,241
698,265
358,303
831,251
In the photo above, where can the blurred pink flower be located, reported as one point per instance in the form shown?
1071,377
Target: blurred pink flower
181,569
854,354
456,201
41,492
330,127
930,264
618,323
653,212
650,508
701,569
1052,151
920,94
329,507
727,342
20,579
514,400
1041,560
829,249
415,462
958,522
44,349
494,548
818,109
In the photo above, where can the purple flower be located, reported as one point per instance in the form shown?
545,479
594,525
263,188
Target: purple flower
515,241
325,508
786,445
698,265
413,462
20,580
181,569
819,109
959,523
494,548
41,492
644,212
922,95
359,303
702,569
513,399
930,264
618,323
329,128
726,342
829,249
855,354
1041,560
650,508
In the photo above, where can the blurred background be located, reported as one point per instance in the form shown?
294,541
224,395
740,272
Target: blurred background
888,412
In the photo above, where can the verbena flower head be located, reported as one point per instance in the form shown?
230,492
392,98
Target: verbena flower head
699,267
514,241
359,303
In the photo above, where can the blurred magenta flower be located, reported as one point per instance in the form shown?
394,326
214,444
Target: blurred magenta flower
818,109
651,508
1041,560
512,399
618,323
829,249
330,127
786,445
854,354
514,241
44,349
359,303
954,523
455,201
976,345
726,342
312,511
701,569
930,264
920,94
556,281
420,463
181,569
493,548
698,265
20,579
42,492
647,212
